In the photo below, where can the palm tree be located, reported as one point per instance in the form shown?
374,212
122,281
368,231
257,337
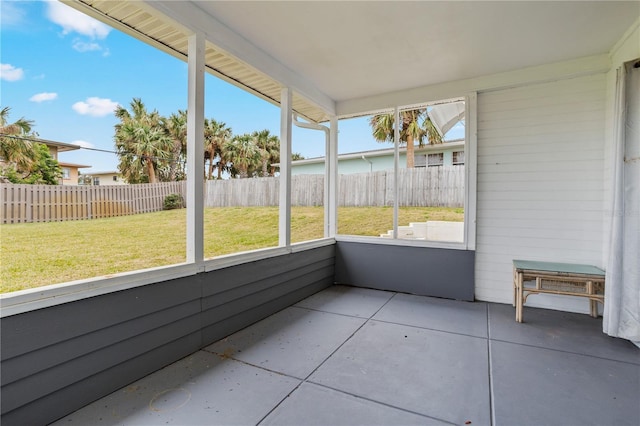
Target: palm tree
216,134
412,130
269,146
141,141
15,150
176,128
243,153
433,135
20,127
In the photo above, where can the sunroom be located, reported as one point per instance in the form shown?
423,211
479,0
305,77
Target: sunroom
550,92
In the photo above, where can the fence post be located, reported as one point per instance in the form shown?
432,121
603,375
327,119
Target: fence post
28,206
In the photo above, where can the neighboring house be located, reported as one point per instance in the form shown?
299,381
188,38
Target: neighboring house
446,154
57,147
70,172
104,178
444,117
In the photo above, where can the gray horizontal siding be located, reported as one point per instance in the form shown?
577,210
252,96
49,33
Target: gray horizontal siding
68,399
262,288
417,270
58,359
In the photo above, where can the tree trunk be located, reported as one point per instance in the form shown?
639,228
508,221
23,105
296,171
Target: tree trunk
151,171
410,152
175,156
211,155
220,166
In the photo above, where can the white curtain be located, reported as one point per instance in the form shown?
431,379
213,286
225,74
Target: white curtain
622,288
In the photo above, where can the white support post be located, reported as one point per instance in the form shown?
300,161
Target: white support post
331,181
195,149
471,169
396,167
328,179
286,120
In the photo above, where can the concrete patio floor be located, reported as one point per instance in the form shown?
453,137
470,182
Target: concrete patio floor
367,357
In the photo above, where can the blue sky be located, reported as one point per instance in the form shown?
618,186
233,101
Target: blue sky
67,72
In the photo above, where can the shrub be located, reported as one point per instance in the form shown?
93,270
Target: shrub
173,201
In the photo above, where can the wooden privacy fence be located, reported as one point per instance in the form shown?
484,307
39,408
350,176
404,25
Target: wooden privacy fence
50,203
306,190
422,187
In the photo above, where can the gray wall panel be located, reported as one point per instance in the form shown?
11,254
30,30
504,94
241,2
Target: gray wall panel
417,270
84,368
44,358
241,305
66,400
58,359
231,324
236,276
263,284
27,332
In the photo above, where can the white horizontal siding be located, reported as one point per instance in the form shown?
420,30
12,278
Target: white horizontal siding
540,190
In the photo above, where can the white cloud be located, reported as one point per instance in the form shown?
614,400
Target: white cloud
10,73
82,46
83,144
72,20
45,96
95,107
12,15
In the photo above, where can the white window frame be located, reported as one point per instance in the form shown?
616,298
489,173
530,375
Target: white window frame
420,163
440,158
470,153
455,160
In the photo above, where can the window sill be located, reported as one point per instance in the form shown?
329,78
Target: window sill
402,242
43,297
226,261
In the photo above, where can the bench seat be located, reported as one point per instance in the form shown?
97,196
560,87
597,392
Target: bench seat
570,279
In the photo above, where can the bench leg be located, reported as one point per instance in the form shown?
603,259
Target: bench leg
515,292
519,302
515,287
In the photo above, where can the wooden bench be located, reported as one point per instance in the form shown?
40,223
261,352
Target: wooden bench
556,278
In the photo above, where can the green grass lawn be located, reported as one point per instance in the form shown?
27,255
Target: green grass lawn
37,254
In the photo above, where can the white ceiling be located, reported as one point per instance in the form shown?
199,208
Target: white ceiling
351,50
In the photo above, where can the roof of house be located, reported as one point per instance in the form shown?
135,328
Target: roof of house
61,146
458,143
108,172
79,166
